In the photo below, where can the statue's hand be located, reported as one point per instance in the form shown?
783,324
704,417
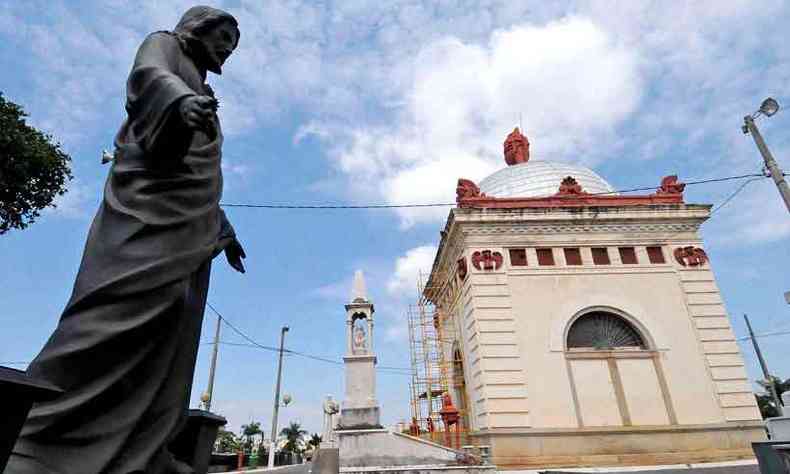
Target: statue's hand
234,252
196,111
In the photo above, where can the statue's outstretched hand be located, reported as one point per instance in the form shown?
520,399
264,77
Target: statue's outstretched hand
234,252
196,111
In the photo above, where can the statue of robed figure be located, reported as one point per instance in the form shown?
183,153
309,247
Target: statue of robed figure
124,349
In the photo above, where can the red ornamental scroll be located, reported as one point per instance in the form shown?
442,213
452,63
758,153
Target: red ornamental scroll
490,260
690,256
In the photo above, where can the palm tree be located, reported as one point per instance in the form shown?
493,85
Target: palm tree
315,440
249,431
766,402
294,435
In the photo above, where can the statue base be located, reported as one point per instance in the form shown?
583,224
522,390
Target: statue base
194,444
364,418
18,392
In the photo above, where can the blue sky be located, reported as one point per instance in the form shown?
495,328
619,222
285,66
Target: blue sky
391,102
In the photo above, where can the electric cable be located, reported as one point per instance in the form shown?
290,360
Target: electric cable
732,196
256,344
450,204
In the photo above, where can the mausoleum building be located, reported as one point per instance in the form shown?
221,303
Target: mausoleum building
586,326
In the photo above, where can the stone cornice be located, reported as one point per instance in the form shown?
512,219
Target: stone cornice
653,219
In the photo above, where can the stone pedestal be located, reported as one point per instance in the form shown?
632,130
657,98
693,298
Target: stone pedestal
778,428
360,408
783,451
326,461
768,458
18,392
194,444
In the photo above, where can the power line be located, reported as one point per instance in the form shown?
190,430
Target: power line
732,196
767,334
254,343
239,332
335,362
450,204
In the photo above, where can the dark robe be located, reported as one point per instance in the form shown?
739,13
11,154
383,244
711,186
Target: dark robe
124,349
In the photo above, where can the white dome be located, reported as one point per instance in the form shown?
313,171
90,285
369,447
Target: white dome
540,179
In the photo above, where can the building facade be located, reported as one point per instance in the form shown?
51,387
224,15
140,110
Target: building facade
586,326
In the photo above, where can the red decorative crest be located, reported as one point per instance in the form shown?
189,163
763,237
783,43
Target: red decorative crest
690,256
570,187
490,260
462,268
467,189
516,148
671,185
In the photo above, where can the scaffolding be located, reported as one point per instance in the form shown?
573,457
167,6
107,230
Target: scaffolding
436,365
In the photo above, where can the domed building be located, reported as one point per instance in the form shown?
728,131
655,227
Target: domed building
586,327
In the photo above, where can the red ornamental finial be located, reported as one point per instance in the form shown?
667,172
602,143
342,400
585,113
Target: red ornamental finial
516,148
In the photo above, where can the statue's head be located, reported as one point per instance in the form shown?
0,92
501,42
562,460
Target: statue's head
516,148
211,33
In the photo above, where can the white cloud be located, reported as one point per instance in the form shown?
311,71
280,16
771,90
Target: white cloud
757,215
408,267
409,96
76,202
463,97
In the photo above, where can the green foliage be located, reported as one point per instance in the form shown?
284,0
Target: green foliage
33,169
227,442
765,401
294,434
315,440
249,432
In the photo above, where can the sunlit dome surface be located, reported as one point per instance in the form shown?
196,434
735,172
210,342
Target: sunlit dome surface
540,179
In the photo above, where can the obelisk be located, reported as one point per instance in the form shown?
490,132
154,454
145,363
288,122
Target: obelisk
360,409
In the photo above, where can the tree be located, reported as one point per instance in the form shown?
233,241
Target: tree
227,442
315,440
765,401
249,432
294,435
33,169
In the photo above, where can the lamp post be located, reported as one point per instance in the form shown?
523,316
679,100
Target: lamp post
208,395
767,108
768,379
277,398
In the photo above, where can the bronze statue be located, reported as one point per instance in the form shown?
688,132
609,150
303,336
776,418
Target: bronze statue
125,346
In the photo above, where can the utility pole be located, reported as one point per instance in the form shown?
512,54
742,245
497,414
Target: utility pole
768,108
277,398
769,380
209,395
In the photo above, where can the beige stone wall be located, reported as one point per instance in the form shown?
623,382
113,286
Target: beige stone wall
511,324
639,446
654,301
718,344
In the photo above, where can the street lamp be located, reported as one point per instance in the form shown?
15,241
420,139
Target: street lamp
287,399
768,108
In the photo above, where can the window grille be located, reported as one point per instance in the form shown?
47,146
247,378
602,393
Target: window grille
603,330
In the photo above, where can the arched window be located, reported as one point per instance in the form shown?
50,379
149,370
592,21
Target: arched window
603,330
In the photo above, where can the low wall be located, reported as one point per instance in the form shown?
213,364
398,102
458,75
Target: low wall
363,448
620,446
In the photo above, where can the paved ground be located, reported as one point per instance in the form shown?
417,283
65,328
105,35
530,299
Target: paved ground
295,469
697,469
748,469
